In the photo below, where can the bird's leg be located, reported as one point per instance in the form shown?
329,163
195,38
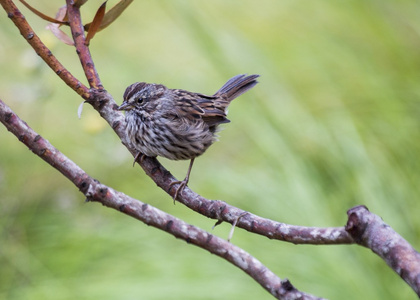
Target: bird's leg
183,183
138,155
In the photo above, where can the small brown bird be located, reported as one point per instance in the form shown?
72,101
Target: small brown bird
178,124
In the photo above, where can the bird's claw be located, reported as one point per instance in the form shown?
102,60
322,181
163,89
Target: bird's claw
182,185
139,155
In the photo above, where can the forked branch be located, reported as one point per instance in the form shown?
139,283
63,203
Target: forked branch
370,231
29,35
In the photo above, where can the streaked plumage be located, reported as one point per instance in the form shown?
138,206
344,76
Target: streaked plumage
178,124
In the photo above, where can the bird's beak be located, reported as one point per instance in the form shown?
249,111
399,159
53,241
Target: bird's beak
125,106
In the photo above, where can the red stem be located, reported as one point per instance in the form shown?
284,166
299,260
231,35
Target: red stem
27,32
82,50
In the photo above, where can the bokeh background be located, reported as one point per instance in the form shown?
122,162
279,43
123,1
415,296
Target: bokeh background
334,123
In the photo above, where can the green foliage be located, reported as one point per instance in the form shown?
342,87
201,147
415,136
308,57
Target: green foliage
333,123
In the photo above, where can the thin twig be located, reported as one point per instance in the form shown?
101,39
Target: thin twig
82,50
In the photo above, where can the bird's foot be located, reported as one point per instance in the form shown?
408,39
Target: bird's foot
138,156
182,185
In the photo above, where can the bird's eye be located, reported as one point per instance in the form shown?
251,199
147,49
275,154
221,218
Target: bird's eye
139,100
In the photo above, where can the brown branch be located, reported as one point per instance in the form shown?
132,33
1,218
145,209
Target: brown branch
371,231
82,50
106,106
95,191
27,32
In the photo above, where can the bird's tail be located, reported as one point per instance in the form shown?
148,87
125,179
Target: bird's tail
236,86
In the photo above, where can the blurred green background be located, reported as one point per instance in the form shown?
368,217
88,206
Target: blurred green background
333,123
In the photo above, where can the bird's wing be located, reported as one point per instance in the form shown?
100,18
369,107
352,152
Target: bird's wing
211,109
